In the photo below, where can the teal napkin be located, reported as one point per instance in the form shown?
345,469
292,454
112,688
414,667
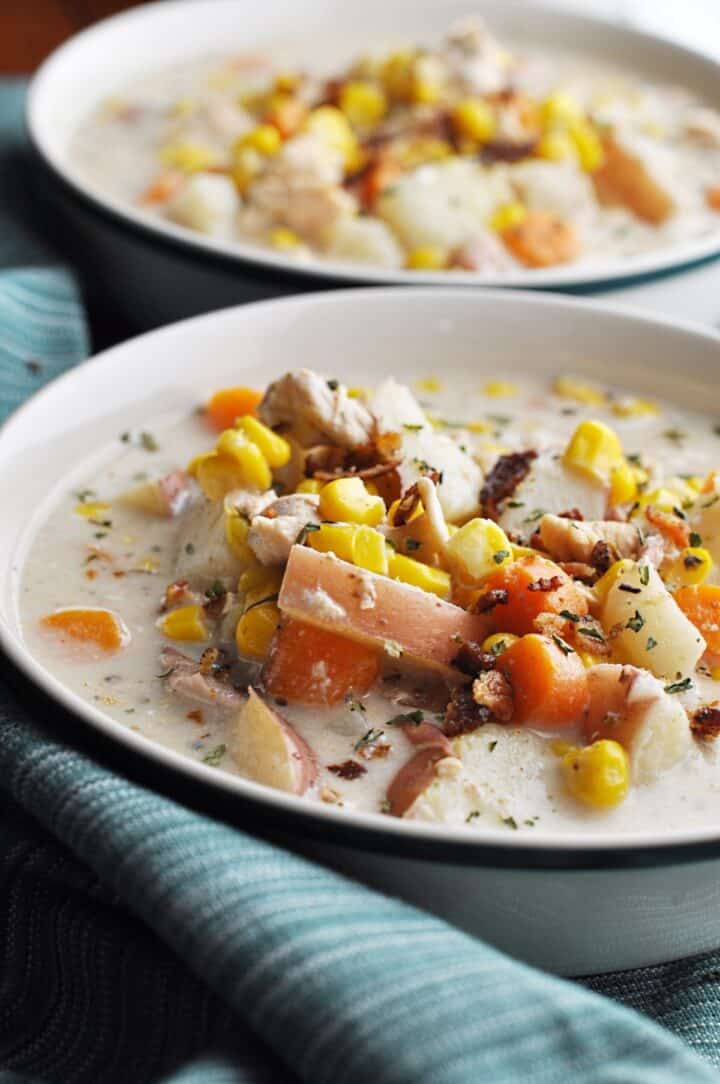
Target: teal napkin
142,941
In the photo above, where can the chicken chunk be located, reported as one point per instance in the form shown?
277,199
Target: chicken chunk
549,486
316,411
576,540
207,202
185,678
203,553
277,528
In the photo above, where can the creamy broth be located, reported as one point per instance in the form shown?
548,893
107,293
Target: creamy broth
182,144
122,559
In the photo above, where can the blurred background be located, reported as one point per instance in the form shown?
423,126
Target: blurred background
30,29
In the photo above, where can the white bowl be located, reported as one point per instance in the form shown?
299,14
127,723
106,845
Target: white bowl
574,903
164,271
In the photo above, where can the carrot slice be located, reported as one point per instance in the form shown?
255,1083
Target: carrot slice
230,403
534,586
542,239
549,683
701,605
96,628
162,188
712,198
309,665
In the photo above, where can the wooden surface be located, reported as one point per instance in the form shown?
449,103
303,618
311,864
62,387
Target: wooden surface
30,29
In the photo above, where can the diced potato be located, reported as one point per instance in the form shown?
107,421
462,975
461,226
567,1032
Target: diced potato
267,749
652,631
160,497
365,240
203,551
396,617
629,706
207,202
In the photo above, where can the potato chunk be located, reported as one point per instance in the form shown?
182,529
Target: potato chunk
267,749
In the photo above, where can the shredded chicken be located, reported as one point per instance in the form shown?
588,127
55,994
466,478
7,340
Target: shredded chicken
574,540
185,677
278,527
316,411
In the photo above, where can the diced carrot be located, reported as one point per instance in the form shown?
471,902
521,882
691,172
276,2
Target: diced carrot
379,176
712,198
673,527
542,239
534,585
549,683
230,403
96,628
162,188
390,615
623,179
701,605
310,665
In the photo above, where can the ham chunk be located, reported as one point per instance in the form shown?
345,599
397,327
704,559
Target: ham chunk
316,411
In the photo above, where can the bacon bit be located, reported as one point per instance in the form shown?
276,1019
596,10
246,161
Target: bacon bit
579,571
91,574
502,481
705,723
580,635
119,574
572,513
196,715
208,659
374,750
505,150
493,691
408,504
670,525
497,596
463,715
545,583
349,769
472,660
375,471
601,556
97,554
162,188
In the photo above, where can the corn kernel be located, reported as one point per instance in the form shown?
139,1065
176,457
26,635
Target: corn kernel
363,103
413,572
634,408
662,498
479,427
417,511
476,549
587,144
559,109
287,82
693,565
186,623
247,165
257,581
588,659
425,91
556,146
507,216
216,474
427,258
337,538
309,485
265,139
255,630
694,483
499,389
522,551
275,448
347,500
236,532
419,151
356,393
560,748
284,238
190,157
332,127
609,578
597,775
623,484
370,550
91,509
594,449
474,119
499,642
429,383
252,463
397,75
567,387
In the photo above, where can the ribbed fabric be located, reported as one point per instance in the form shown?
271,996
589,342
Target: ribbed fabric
142,942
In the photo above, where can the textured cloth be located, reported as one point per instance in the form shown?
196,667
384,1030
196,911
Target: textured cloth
144,942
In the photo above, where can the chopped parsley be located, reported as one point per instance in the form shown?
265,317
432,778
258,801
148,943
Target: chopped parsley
635,622
563,645
414,717
594,634
535,515
510,822
166,674
644,575
333,385
500,556
355,705
412,428
516,504
189,548
472,815
148,442
215,590
261,602
215,755
695,539
84,495
569,616
675,435
651,643
412,544
368,738
491,746
679,686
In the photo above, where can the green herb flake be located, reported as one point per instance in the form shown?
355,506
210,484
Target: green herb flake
472,815
679,686
261,602
491,746
166,674
651,643
535,515
215,755
644,572
355,705
412,544
695,539
413,717
636,622
510,822
333,385
675,435
569,616
189,548
498,647
368,738
84,495
412,428
148,442
563,645
385,806
516,504
593,634
500,556
215,590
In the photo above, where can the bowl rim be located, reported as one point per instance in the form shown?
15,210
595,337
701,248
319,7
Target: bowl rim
371,831
322,273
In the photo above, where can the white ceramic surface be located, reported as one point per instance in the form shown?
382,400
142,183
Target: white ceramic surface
554,900
205,273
